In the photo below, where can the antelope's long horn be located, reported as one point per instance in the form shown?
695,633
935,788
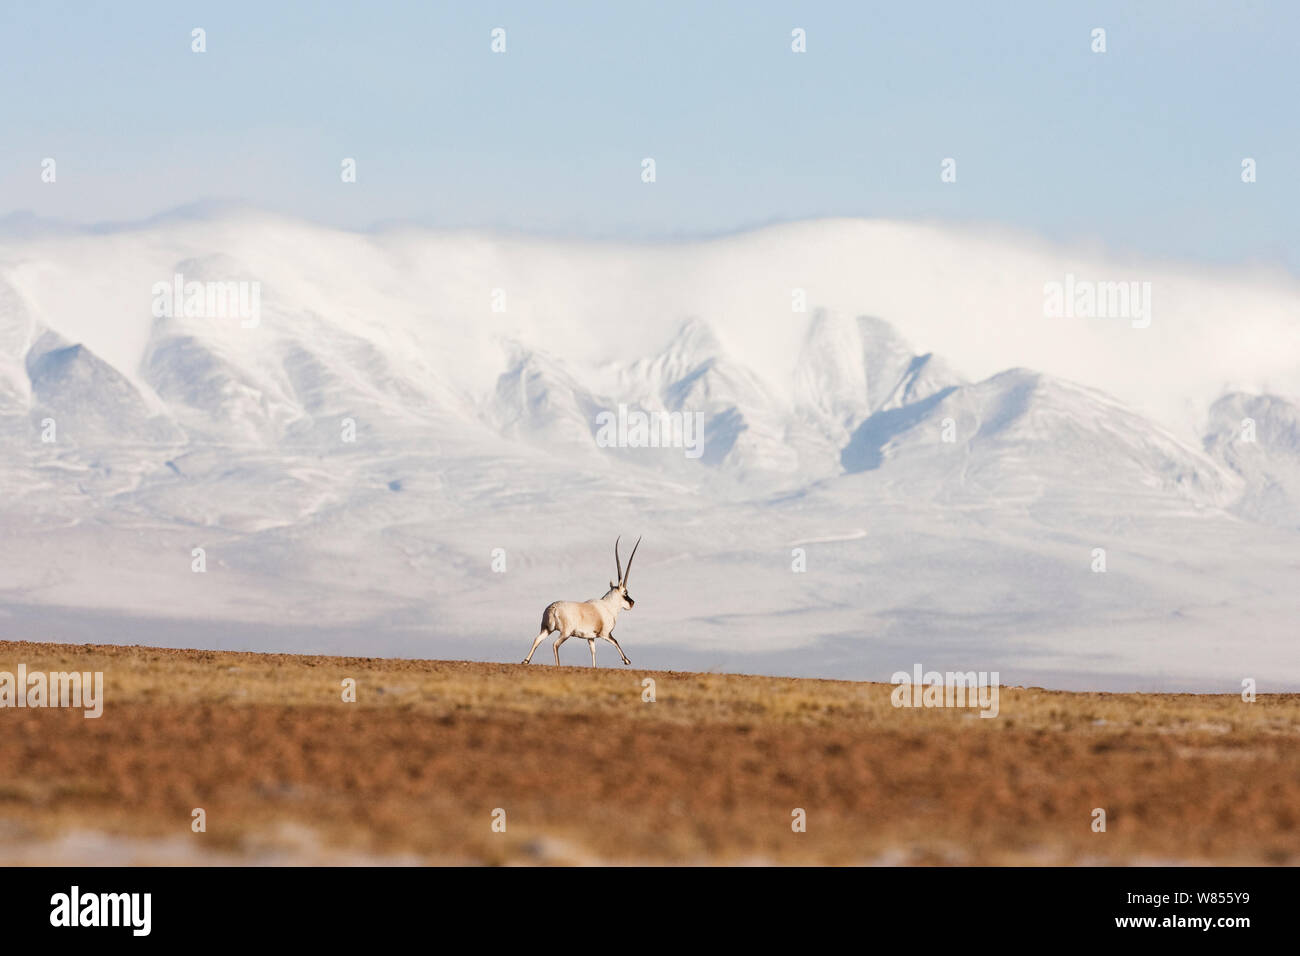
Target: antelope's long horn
629,562
617,563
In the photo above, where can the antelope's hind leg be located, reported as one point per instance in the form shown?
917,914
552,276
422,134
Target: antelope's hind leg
537,643
591,643
556,646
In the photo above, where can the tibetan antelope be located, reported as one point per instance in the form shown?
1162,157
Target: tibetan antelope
589,619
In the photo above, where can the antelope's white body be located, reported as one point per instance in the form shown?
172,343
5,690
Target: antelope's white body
591,620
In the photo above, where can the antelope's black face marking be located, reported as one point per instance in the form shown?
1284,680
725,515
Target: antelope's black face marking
628,598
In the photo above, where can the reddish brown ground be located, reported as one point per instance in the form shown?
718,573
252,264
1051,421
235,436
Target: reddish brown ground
586,771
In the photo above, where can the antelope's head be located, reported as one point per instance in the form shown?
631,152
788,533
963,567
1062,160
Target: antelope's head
621,584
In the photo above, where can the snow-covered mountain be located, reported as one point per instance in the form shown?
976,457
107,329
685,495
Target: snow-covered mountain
403,452
1258,437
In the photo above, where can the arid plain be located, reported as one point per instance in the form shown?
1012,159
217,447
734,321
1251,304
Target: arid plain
449,762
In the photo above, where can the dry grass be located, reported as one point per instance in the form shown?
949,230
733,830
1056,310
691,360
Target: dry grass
588,772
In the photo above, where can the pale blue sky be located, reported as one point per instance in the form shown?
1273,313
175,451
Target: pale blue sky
1139,148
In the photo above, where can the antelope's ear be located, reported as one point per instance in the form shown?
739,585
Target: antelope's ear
613,584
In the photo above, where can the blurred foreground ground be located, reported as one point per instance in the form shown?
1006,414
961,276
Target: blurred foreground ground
588,772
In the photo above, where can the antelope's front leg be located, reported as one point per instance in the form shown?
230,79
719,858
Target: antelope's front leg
610,637
591,642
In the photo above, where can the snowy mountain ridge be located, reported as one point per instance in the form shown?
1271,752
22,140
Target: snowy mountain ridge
410,404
